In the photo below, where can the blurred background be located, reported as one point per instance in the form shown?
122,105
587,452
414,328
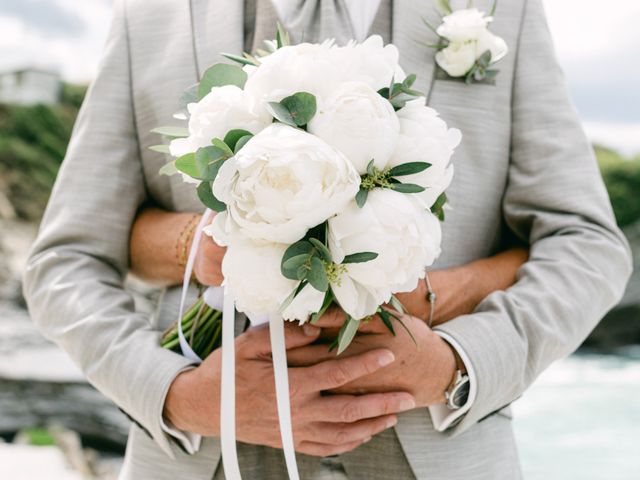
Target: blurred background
580,420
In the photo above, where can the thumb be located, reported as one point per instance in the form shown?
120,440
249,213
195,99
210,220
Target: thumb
296,335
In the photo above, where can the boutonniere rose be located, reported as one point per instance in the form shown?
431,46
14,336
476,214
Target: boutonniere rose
467,49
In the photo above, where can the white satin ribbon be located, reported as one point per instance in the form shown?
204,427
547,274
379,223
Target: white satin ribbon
218,298
184,345
279,355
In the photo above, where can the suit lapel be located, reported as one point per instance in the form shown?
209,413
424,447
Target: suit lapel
413,37
218,26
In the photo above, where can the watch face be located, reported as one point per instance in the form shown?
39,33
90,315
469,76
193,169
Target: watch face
460,393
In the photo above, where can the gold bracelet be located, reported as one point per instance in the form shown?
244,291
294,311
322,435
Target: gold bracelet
184,240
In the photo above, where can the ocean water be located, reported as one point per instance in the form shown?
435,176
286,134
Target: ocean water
581,419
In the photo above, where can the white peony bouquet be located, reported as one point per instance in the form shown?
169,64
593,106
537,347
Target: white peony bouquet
328,173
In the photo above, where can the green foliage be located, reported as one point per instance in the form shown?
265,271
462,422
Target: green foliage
39,437
219,75
622,177
296,110
33,142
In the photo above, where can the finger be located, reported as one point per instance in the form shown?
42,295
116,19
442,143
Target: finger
335,317
323,450
258,342
335,373
352,408
310,355
342,433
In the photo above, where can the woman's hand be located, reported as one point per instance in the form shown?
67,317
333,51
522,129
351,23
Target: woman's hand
208,265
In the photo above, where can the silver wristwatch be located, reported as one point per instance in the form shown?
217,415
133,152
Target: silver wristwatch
458,392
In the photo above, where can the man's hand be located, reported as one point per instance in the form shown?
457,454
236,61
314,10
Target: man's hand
322,425
208,264
424,368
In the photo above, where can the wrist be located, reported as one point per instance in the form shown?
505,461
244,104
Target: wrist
176,404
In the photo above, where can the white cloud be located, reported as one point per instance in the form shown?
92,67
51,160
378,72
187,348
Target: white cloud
624,137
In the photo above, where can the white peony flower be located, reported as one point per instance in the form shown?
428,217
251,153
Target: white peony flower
360,123
424,137
371,62
305,67
252,277
469,38
405,236
464,25
458,58
283,182
225,108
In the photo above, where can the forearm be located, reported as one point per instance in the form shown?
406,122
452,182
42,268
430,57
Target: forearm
159,243
459,290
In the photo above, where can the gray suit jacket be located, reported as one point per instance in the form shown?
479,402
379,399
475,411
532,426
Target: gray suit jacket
524,168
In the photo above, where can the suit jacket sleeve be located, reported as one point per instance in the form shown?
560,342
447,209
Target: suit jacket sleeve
556,201
74,278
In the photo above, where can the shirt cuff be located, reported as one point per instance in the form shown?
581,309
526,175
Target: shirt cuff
441,415
190,441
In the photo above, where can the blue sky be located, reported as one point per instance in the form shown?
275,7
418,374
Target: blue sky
597,44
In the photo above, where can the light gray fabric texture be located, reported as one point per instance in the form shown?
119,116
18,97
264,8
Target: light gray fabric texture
524,166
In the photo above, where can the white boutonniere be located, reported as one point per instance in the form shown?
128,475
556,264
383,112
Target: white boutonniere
466,47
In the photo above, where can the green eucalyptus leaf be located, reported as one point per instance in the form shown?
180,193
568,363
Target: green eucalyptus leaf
409,81
160,148
232,137
282,37
361,197
298,248
219,75
242,141
407,188
206,196
281,113
187,164
169,169
384,92
302,272
301,106
292,295
360,257
242,60
370,167
347,333
289,267
397,304
208,161
485,59
322,249
223,147
326,303
408,168
386,319
317,276
190,95
444,7
438,206
173,132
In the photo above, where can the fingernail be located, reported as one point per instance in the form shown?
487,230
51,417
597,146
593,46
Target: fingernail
368,439
392,422
407,404
310,330
386,359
